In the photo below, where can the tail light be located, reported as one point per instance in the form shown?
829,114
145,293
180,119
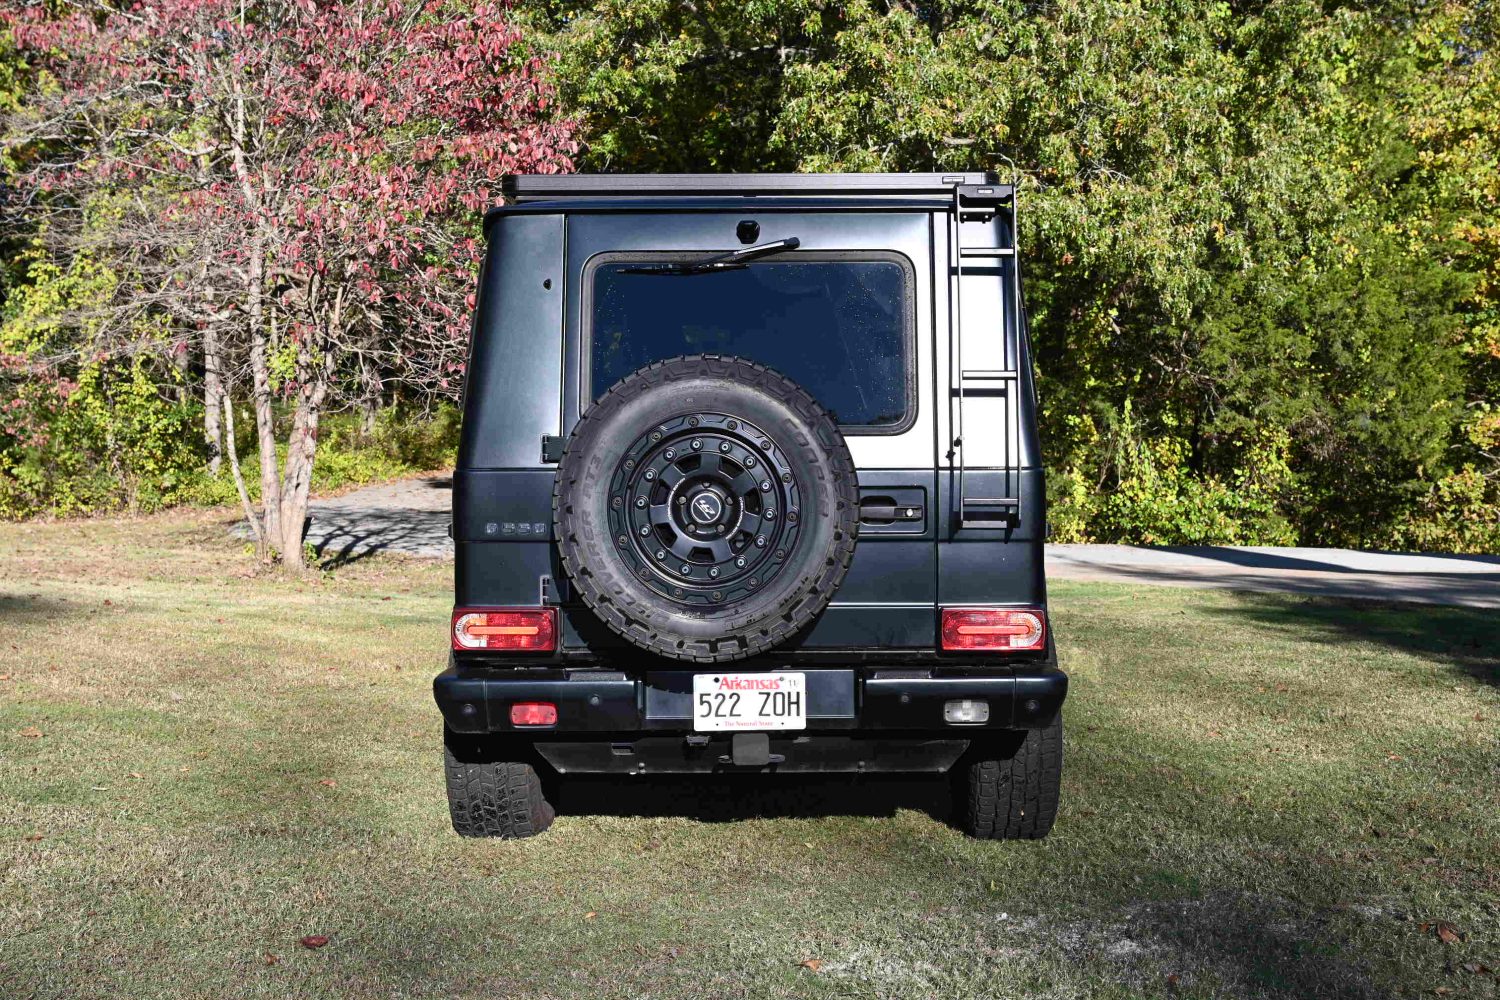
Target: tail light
515,630
999,630
533,713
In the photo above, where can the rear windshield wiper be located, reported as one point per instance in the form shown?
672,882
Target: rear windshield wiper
734,260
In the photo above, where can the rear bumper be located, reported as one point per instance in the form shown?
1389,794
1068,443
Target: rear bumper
842,700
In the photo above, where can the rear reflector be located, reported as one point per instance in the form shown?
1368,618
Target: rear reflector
1002,630
533,713
522,630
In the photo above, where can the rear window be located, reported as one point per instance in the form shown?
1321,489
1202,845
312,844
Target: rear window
841,327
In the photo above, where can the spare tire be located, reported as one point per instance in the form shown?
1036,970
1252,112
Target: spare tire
706,508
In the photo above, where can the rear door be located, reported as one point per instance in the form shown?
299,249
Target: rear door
848,316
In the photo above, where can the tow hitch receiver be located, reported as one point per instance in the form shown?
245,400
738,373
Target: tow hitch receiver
752,750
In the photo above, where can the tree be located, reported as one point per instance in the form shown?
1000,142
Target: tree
295,185
1264,232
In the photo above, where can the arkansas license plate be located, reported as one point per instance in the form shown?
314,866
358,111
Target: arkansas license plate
749,702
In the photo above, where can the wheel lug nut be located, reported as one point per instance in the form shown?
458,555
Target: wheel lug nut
770,513
714,572
765,486
640,501
740,563
661,554
723,445
645,529
669,454
682,500
760,541
684,569
750,462
650,474
697,444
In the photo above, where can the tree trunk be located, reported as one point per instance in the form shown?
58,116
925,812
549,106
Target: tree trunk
213,400
239,480
314,372
370,397
260,373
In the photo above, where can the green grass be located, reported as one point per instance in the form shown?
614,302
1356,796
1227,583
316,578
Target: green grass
1264,796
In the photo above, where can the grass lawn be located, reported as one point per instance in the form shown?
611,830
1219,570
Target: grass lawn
200,764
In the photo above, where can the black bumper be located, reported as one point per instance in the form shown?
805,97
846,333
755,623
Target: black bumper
849,700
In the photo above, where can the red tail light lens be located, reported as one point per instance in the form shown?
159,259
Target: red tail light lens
1000,630
525,630
533,713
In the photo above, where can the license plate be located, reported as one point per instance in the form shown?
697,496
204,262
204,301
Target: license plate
749,702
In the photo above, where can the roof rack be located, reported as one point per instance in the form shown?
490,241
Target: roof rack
537,187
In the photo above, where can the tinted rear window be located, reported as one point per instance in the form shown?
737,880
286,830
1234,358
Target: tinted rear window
839,328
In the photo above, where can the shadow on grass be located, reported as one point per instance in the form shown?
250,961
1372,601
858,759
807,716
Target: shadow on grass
1467,639
730,798
22,609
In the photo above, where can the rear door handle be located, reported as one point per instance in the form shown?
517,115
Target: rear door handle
887,512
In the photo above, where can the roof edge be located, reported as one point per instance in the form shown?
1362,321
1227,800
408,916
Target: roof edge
528,187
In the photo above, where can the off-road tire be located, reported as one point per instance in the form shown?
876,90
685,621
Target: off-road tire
491,797
1013,796
726,405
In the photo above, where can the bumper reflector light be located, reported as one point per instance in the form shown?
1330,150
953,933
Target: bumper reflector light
966,712
528,630
1002,630
533,713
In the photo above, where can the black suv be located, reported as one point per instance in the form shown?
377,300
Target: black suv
749,481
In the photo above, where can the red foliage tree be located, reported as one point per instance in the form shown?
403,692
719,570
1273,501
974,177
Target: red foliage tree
304,180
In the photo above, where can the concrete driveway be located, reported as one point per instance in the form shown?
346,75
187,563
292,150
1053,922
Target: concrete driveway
1427,578
411,517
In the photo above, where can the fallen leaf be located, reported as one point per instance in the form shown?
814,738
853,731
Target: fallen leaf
1447,933
1478,716
385,598
811,964
271,959
33,837
1173,979
315,941
1477,968
1442,991
1282,689
671,952
591,915
4,677
134,774
329,783
31,732
107,602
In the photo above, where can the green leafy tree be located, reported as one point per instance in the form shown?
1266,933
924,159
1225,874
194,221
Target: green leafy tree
1243,223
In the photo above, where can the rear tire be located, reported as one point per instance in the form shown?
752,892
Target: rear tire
489,796
1013,795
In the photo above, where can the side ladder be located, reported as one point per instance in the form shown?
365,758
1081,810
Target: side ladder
981,202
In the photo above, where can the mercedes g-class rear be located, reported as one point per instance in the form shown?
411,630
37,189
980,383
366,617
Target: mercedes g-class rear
749,480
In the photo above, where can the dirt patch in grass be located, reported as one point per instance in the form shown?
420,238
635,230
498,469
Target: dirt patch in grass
203,762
